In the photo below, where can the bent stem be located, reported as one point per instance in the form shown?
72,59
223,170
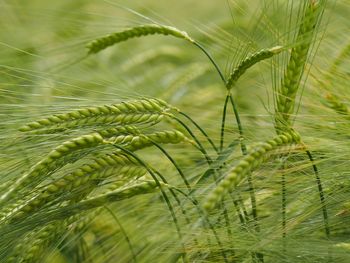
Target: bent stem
321,194
211,60
200,146
240,130
239,124
201,130
174,163
222,132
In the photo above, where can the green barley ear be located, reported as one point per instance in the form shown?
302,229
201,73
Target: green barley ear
65,212
144,30
85,177
335,103
249,62
286,96
249,162
130,112
50,162
32,247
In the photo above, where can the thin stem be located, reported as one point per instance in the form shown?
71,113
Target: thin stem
222,133
245,213
174,163
224,81
238,211
321,194
201,130
239,124
201,148
211,60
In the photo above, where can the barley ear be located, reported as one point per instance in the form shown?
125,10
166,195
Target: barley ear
336,104
129,112
249,162
85,178
250,61
287,93
49,163
99,44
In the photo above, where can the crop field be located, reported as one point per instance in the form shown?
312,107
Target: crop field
175,131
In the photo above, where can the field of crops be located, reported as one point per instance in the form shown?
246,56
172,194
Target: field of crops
174,131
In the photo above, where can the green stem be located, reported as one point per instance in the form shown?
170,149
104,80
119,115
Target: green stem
174,163
240,129
201,130
211,60
201,148
239,124
321,194
222,133
224,81
238,211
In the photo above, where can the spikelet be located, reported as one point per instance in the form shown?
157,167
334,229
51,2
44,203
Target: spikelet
101,43
250,162
137,142
121,130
